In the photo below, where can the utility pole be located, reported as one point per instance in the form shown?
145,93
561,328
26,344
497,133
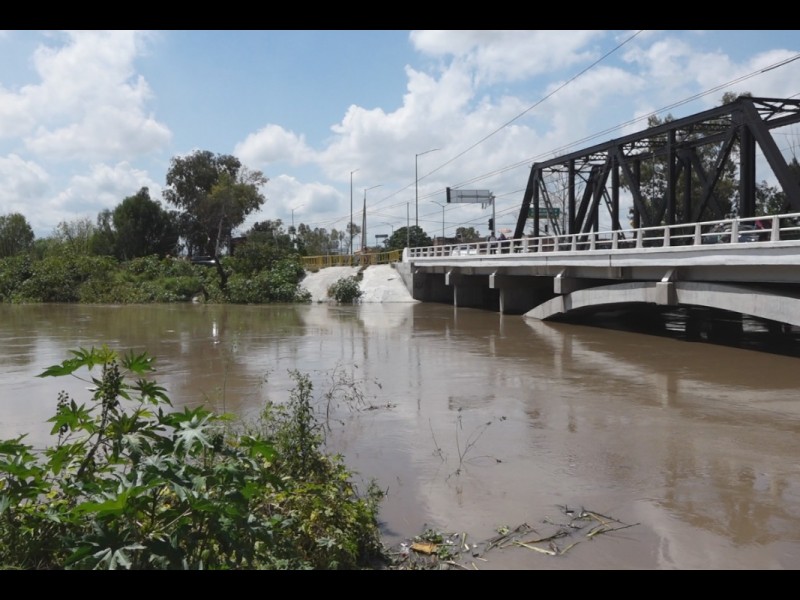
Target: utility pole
350,225
416,184
364,223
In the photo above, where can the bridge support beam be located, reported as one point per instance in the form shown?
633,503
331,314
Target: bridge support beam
563,283
665,290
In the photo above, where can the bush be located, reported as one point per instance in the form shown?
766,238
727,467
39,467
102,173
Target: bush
346,290
132,484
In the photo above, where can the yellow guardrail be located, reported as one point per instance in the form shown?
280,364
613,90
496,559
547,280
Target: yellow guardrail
352,260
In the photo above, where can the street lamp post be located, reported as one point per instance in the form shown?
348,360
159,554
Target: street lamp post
442,205
364,223
408,229
294,209
293,231
350,226
416,184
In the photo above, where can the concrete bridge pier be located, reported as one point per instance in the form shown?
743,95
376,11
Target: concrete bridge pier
471,291
518,295
431,287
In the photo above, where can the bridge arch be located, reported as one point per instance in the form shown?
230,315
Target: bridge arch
757,302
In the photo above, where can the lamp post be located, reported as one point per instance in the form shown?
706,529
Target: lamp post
408,228
442,205
294,209
350,226
416,184
364,222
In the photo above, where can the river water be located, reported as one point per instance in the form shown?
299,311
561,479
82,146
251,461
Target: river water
473,421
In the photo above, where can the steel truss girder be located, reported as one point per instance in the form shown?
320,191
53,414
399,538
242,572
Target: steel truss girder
747,121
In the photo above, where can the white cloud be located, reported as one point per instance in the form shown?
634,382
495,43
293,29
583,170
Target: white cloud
272,144
508,55
21,181
89,103
104,187
311,201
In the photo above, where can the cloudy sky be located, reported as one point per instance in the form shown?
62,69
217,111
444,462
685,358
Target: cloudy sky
87,118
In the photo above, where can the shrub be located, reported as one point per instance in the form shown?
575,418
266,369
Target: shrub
346,290
132,484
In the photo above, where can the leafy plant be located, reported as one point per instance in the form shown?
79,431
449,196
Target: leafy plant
132,484
346,290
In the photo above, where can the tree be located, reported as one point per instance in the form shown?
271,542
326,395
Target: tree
654,171
352,230
16,235
104,238
771,200
75,237
143,227
319,241
467,234
414,235
215,193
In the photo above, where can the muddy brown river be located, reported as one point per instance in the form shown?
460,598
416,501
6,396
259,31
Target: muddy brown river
474,421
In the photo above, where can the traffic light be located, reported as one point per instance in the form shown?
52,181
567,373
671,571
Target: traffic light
491,224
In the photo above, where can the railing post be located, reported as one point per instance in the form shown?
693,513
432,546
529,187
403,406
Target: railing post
639,238
776,230
735,232
665,243
698,234
592,240
614,238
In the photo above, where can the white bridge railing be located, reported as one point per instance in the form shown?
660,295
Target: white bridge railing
771,229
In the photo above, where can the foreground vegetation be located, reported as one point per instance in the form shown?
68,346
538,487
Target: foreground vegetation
130,483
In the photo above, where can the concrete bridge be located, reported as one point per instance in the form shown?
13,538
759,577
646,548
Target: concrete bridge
748,266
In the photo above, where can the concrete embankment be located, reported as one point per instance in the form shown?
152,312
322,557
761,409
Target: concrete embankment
379,283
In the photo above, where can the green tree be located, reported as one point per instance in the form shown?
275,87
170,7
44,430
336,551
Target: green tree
415,235
265,244
319,241
352,230
16,235
654,171
75,237
467,234
104,239
214,193
143,227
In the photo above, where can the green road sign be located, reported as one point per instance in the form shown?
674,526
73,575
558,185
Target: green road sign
545,212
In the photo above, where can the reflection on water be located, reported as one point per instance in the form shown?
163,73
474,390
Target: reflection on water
472,420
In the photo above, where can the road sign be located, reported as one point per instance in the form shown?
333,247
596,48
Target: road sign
469,196
545,212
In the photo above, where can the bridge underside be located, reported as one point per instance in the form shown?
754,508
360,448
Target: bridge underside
769,304
545,297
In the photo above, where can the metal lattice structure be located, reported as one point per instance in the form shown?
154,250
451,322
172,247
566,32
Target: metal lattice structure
694,154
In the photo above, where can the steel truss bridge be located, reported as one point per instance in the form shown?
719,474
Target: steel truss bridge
682,248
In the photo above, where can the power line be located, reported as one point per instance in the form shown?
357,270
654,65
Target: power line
564,148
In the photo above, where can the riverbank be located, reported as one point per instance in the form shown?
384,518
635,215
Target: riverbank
379,283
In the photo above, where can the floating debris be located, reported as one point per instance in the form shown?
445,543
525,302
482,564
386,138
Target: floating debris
434,550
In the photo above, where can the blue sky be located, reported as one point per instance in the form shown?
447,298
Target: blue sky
87,118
